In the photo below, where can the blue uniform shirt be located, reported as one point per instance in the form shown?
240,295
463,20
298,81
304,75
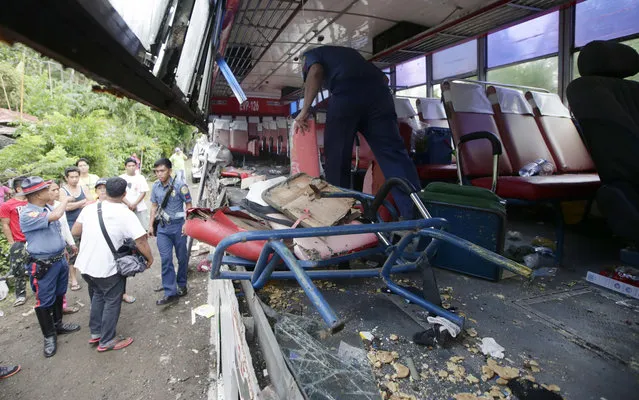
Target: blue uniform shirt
180,196
344,69
44,238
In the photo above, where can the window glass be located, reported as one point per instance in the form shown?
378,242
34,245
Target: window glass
411,73
531,39
293,107
412,94
605,20
454,61
542,73
634,43
437,91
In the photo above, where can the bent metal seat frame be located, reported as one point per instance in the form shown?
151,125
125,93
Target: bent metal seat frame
275,252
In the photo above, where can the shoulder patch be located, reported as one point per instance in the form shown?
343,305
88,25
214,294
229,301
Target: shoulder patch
33,214
185,189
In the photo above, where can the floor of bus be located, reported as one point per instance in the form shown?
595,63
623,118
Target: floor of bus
583,337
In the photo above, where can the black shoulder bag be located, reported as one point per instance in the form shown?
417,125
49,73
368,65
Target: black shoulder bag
158,214
128,259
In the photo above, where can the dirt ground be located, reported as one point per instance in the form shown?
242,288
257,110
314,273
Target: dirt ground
168,360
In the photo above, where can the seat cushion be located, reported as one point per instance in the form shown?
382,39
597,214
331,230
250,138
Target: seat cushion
437,172
566,145
535,188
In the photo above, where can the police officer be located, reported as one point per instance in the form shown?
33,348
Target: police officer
360,101
47,265
170,228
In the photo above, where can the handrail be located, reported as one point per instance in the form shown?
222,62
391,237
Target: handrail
507,85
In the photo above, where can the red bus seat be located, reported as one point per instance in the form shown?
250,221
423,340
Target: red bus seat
558,129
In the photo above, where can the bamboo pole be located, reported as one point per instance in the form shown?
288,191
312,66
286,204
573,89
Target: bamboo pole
6,97
50,80
24,66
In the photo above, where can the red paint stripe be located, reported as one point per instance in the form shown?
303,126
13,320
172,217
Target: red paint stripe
35,284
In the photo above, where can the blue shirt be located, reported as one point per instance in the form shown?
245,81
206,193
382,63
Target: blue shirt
344,69
44,238
180,196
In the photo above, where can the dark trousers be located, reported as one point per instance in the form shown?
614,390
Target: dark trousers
370,111
169,237
17,260
51,285
106,301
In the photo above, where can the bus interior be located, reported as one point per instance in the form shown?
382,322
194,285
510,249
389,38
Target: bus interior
544,303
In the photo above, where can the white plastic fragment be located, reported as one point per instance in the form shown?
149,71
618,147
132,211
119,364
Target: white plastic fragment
490,347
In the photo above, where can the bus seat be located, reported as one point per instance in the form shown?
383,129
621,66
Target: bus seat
431,111
365,153
558,129
607,108
469,111
320,126
517,127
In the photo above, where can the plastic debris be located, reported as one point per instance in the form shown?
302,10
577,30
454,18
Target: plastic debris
393,337
365,335
542,257
471,332
490,347
4,290
445,325
205,310
540,241
514,236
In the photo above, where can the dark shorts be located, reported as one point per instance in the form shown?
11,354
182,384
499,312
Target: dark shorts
77,244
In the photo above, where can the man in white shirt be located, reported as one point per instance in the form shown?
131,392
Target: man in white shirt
136,191
97,265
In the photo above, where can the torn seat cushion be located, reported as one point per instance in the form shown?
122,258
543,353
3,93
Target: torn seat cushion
536,188
437,172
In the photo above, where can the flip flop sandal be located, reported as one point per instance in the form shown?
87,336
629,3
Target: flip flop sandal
94,341
20,301
70,310
130,301
117,344
76,287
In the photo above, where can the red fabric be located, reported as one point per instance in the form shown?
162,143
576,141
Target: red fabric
11,209
437,172
534,188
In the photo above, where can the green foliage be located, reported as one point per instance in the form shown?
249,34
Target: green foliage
5,267
75,122
539,73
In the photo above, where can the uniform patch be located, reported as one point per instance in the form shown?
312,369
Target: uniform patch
33,214
185,189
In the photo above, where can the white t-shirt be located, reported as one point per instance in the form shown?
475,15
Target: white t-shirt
136,185
95,258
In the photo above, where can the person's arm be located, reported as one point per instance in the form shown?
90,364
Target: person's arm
154,210
312,87
76,230
58,212
71,205
142,243
7,230
184,156
66,233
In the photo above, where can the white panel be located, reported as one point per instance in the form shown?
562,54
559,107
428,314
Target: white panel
511,101
142,16
549,104
192,44
468,97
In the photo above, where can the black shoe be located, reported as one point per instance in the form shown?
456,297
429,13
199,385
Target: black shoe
45,318
159,289
50,346
62,328
6,372
182,291
167,300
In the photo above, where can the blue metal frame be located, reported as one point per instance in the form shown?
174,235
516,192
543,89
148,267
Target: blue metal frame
275,253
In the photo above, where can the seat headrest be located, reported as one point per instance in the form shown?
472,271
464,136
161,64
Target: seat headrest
466,97
548,104
611,59
510,101
403,108
431,108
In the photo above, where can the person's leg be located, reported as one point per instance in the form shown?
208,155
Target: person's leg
97,307
339,135
382,134
73,274
45,293
61,290
179,241
112,289
17,260
165,247
143,217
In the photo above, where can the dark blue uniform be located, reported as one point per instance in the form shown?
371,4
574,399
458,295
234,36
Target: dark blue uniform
360,102
170,236
45,241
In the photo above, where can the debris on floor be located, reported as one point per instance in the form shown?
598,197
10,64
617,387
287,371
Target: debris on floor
491,348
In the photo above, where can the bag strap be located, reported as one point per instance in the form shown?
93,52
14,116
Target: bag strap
103,228
165,200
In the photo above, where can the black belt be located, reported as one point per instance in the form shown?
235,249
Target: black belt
50,260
